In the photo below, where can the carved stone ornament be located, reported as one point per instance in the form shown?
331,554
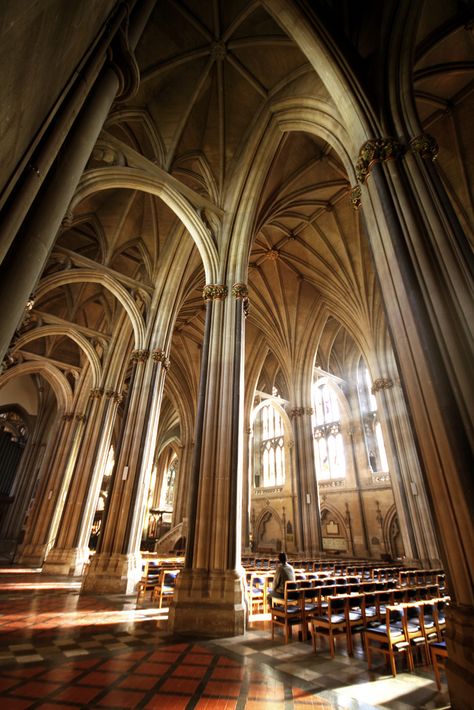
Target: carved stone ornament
301,411
240,291
67,417
376,151
96,393
356,195
214,292
81,418
273,254
382,383
140,355
425,145
160,356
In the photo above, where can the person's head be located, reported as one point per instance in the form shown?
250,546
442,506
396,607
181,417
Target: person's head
282,557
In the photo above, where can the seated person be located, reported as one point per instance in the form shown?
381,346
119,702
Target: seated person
283,573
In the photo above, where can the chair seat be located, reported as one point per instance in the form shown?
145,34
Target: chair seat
334,618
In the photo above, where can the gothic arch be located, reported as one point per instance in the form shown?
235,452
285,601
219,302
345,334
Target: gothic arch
83,343
136,179
91,276
391,533
269,517
329,511
59,384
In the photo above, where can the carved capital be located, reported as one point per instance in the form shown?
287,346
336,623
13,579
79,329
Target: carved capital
301,411
160,356
81,418
96,393
240,291
67,417
425,145
140,355
214,292
356,195
376,151
381,383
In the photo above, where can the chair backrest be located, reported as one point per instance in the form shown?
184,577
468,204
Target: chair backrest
336,605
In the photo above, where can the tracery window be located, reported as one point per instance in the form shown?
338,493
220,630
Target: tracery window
328,439
269,447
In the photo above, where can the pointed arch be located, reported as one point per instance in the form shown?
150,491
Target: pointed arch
59,384
80,340
90,276
135,179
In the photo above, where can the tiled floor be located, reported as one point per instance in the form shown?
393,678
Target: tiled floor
62,650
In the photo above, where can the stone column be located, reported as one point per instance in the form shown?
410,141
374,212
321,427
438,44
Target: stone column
116,565
425,278
209,597
27,256
307,499
71,548
182,483
42,523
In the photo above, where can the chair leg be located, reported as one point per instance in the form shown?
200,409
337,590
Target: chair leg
393,665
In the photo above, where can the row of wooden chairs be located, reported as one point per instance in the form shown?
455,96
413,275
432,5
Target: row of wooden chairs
259,589
301,604
407,628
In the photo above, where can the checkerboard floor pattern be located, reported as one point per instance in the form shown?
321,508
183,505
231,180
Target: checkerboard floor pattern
59,649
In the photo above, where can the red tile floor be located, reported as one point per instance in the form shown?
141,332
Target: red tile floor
59,649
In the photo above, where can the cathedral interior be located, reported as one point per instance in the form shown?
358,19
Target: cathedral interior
236,297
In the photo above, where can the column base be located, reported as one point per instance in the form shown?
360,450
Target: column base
66,561
208,604
112,574
31,555
460,664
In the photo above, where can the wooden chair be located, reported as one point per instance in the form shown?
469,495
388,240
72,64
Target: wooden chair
287,611
257,593
164,590
389,639
439,655
149,580
355,619
330,622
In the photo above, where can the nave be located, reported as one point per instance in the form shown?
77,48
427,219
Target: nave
60,649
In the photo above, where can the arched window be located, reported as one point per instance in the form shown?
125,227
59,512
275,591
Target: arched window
269,447
167,488
376,454
329,444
